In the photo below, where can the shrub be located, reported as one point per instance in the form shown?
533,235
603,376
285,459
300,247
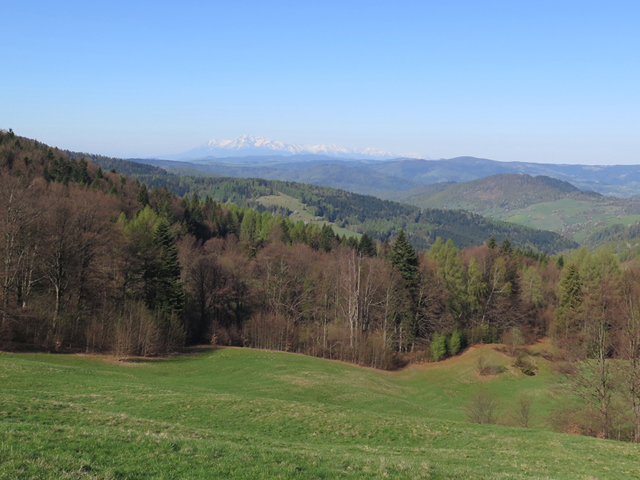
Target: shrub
482,408
526,364
438,347
455,342
521,413
513,339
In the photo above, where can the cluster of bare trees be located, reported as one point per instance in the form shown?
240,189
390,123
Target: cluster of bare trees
372,309
73,276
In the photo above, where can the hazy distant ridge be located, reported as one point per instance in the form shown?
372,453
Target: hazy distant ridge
247,145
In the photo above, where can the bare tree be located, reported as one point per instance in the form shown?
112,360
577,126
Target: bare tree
482,408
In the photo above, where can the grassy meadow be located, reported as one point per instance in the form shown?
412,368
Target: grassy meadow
576,219
240,413
302,212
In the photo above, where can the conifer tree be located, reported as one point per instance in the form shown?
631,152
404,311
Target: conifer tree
143,195
403,257
366,246
506,246
166,293
570,298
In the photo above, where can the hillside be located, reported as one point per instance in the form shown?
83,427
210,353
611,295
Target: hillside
354,176
538,202
617,180
507,191
240,413
380,219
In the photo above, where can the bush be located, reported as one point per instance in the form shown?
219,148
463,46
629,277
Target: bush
521,412
513,339
482,408
526,364
438,347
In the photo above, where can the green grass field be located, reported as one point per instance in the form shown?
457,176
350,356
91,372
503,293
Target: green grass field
302,212
240,413
574,218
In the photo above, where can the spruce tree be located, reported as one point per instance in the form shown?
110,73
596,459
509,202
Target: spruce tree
166,293
143,195
506,246
366,246
570,299
404,259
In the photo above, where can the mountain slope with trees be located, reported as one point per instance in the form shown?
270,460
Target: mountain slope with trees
380,219
507,191
94,260
539,202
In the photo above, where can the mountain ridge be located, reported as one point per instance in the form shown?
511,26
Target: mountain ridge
249,145
612,180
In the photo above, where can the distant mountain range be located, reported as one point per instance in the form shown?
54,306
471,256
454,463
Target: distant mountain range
247,145
383,178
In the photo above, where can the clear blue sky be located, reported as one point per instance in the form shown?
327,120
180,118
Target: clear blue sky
545,81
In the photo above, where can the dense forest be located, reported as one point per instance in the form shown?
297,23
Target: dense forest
95,261
379,219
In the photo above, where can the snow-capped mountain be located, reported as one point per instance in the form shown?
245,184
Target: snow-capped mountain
247,145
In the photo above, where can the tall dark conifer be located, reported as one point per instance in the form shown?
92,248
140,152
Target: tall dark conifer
366,246
166,293
404,259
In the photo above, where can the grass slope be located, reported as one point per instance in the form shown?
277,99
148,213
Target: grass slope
300,212
238,413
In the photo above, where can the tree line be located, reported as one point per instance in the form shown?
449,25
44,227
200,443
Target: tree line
94,260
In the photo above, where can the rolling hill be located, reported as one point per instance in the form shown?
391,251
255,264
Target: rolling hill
380,219
539,202
614,180
241,413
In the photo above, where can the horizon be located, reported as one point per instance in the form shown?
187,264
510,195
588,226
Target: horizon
543,83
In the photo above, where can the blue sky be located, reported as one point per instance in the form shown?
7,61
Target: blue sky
508,80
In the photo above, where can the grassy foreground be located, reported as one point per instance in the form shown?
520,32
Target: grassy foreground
239,413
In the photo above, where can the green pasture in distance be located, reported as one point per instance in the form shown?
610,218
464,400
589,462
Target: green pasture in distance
574,218
302,212
241,413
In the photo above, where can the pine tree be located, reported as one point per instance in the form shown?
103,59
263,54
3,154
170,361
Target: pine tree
506,246
570,299
403,257
366,246
166,293
143,195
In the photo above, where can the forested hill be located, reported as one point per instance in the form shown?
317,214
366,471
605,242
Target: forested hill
380,219
125,167
505,191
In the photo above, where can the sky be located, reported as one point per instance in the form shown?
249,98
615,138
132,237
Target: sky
537,81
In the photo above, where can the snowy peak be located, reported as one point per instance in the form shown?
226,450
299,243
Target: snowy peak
247,145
